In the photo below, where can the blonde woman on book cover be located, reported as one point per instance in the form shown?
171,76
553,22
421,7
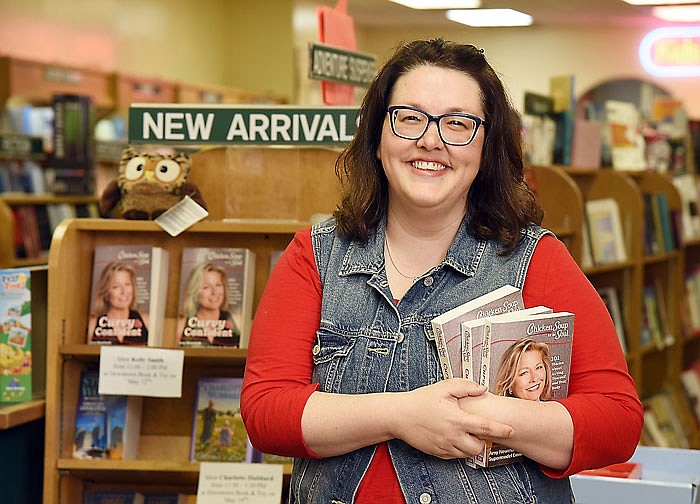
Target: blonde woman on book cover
114,318
207,318
525,371
342,371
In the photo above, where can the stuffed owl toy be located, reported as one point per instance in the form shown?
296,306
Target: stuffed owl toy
148,184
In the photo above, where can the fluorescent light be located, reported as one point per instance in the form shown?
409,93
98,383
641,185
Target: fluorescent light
440,4
490,17
678,13
659,2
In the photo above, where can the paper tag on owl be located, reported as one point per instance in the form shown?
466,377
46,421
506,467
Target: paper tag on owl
181,216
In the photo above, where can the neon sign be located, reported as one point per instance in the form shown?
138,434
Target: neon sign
671,52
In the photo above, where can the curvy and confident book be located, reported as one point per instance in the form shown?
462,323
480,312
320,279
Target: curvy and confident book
216,296
448,332
129,287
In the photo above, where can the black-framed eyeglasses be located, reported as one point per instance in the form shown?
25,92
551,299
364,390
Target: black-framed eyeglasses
455,128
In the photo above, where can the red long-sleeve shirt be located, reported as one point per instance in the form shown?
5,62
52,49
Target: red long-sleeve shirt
602,400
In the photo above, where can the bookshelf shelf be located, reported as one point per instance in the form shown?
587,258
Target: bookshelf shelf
17,414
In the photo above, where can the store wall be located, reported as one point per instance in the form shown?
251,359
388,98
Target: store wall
262,45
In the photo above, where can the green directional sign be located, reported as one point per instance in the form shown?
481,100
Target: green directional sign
338,65
241,124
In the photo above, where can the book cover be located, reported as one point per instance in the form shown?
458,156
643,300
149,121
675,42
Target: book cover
15,335
218,432
129,286
475,348
529,358
115,497
106,426
216,296
164,498
605,231
448,332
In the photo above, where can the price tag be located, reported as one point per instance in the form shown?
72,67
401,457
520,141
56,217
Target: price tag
141,371
228,483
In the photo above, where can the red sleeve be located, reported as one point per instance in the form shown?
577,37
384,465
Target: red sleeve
602,399
277,380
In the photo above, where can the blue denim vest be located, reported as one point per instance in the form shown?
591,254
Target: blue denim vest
367,343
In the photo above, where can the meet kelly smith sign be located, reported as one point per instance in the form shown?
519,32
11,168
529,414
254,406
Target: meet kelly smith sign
241,124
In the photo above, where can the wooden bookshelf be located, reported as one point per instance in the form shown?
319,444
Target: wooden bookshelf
12,415
163,457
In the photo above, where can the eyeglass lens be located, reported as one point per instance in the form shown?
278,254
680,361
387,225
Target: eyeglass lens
454,129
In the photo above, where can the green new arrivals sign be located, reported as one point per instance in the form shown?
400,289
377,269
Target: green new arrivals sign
241,124
339,65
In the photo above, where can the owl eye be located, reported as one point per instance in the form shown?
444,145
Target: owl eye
134,168
167,170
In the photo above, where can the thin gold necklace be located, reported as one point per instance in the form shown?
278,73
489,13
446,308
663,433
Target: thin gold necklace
391,260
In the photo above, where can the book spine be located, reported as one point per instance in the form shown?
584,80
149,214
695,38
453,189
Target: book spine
467,371
442,350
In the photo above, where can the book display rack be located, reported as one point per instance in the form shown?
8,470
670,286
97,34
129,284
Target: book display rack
163,461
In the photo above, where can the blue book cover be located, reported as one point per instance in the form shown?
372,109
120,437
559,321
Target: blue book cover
114,498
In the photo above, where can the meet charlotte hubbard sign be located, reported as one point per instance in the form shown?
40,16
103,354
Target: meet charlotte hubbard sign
241,124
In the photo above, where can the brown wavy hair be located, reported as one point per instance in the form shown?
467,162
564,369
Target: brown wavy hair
499,204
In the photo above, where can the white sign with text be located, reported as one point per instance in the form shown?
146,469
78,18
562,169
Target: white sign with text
229,483
141,371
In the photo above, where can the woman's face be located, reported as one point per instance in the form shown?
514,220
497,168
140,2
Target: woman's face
530,377
426,172
121,290
211,292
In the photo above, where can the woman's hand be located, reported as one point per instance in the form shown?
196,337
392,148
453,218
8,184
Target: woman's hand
431,420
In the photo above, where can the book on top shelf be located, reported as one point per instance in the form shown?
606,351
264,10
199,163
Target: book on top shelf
106,426
448,332
16,335
216,296
605,231
529,357
115,497
218,432
129,286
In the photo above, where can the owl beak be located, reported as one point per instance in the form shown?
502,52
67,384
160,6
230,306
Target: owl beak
148,175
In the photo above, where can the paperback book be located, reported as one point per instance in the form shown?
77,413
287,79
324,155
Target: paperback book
218,432
448,332
529,357
15,335
164,498
129,287
115,497
216,296
106,426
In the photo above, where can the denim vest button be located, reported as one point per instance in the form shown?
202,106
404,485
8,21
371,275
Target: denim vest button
428,281
400,337
425,498
316,349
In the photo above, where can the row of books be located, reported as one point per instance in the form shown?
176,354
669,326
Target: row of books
610,132
134,497
108,426
664,423
34,225
129,289
514,351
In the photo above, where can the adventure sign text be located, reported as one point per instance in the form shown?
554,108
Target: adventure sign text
329,63
241,124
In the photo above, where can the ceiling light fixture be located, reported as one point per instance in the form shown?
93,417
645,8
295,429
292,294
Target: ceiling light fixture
490,17
659,2
678,13
439,4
